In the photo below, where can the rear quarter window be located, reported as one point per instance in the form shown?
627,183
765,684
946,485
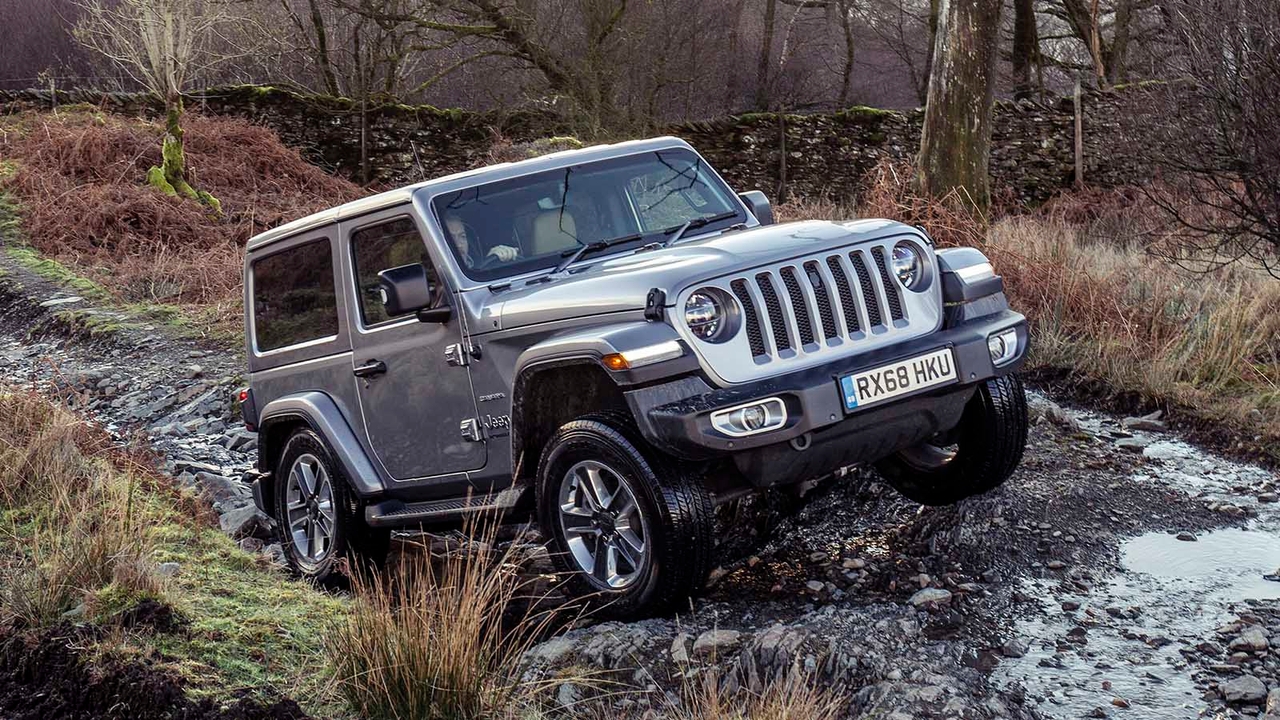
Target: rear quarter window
294,296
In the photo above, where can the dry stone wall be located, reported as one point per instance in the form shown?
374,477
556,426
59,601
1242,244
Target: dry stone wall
819,155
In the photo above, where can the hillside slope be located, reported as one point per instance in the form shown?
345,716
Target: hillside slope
75,179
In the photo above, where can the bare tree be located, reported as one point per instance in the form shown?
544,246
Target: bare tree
786,81
765,55
580,63
1025,45
956,138
161,44
1219,164
1105,35
908,29
845,10
313,29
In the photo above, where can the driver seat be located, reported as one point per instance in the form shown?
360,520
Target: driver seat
554,231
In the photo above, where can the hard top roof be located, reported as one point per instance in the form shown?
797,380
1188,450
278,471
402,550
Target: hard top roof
489,173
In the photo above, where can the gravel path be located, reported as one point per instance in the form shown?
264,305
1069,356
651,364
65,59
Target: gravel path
1065,594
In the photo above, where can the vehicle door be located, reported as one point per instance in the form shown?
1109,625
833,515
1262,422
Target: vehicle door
415,401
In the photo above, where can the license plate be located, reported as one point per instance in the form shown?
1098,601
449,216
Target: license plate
905,376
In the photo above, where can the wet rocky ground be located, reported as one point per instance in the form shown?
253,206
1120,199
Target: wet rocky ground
1120,573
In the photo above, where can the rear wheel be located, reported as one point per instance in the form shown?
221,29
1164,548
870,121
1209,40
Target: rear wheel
318,517
633,530
977,456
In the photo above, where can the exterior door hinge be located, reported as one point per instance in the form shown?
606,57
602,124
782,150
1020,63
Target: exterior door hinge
471,430
457,355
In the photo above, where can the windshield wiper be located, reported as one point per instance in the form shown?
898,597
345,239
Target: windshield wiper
694,224
572,256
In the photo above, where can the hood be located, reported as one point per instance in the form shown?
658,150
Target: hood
619,284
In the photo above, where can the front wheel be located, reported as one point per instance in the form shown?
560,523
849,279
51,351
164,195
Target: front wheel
974,458
633,531
318,518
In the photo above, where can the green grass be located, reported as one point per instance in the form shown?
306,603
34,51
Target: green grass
250,627
55,272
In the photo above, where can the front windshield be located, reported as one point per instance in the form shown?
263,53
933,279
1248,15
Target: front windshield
533,222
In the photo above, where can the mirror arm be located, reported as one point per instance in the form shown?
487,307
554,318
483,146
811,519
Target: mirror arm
440,314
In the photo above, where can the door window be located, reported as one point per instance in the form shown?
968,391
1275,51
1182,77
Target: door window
374,249
294,296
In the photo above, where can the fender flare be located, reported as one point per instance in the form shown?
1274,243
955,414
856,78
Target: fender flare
318,411
519,391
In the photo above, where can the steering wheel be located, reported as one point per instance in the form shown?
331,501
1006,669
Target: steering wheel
489,262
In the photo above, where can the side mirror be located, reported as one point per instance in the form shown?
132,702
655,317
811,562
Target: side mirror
759,206
405,289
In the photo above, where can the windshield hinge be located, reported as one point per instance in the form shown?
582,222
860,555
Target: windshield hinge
654,305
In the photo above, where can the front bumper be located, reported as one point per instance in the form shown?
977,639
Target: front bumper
675,416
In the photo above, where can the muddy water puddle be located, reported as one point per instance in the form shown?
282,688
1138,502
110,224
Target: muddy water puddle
1125,638
1230,564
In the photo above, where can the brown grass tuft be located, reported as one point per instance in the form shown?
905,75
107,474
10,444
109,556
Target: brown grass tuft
70,528
430,639
794,697
80,184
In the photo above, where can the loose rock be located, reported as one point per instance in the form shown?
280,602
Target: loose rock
715,641
930,597
1246,689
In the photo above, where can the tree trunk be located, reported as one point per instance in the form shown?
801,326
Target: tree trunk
322,50
1119,43
1024,47
733,88
171,175
1082,19
846,75
766,53
922,90
956,140
173,151
1095,45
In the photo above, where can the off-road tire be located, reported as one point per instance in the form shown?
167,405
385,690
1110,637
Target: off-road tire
991,437
677,507
352,538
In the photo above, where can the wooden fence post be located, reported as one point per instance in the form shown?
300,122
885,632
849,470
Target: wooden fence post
1079,112
782,157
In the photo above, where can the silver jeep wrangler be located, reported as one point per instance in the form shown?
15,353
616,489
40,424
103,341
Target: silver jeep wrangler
612,341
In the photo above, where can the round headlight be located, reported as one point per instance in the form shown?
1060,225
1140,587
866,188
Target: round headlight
704,316
907,265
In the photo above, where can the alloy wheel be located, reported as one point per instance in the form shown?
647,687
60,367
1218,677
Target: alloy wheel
310,508
604,527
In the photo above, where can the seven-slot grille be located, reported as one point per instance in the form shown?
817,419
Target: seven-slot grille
813,302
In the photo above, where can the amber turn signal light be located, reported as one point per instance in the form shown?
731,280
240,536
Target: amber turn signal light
615,361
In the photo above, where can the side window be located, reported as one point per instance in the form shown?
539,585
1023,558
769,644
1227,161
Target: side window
294,296
374,249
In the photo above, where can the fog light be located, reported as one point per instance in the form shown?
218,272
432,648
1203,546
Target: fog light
754,417
995,344
750,419
1003,346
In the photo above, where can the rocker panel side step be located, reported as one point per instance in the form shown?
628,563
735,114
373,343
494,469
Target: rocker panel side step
397,513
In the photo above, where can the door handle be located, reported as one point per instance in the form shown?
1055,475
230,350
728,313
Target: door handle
369,369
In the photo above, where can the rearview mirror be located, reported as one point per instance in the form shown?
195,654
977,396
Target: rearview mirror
759,206
405,289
